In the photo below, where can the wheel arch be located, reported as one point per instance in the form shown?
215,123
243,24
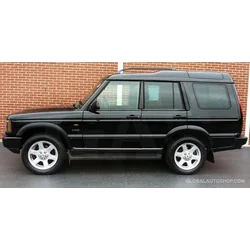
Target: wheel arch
189,131
49,128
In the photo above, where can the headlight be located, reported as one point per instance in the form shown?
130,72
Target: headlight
8,126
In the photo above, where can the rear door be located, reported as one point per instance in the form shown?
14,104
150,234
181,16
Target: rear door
163,110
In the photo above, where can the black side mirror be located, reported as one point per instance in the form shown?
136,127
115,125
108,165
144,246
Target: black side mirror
78,105
94,106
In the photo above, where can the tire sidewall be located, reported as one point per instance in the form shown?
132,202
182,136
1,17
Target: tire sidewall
55,141
171,151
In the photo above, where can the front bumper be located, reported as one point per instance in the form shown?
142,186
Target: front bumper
12,143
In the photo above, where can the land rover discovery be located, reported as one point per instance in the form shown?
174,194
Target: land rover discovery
178,116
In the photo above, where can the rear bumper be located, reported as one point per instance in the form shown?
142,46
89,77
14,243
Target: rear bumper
12,143
236,144
239,142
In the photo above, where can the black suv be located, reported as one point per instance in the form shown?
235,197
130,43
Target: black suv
178,116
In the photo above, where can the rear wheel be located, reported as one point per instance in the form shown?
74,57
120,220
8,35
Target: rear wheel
43,154
186,155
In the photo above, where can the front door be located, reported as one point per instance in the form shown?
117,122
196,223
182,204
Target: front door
115,126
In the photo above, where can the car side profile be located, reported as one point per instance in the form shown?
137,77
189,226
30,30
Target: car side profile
181,117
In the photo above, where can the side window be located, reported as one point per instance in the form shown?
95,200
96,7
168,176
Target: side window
212,96
120,95
163,95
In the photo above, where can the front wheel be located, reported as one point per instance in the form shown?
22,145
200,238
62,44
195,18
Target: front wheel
186,155
43,154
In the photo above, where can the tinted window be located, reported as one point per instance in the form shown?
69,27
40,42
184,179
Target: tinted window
120,95
162,95
212,96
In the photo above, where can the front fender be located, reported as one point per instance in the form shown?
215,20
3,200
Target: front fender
44,125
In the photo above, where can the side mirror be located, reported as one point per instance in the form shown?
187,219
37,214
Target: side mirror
78,105
94,106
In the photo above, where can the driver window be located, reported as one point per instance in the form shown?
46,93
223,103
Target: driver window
120,95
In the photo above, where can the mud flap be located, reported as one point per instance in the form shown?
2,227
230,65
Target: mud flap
210,156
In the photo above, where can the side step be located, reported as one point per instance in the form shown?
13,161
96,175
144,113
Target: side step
113,156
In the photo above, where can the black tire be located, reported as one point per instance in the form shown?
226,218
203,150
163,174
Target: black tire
170,152
42,137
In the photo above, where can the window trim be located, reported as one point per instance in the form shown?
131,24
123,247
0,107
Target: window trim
214,109
164,109
184,96
106,85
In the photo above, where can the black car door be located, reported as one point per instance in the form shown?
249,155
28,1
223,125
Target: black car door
115,126
163,110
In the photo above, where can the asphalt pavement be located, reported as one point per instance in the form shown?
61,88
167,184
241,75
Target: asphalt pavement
231,169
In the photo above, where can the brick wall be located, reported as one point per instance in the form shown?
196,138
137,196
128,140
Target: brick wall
238,70
27,85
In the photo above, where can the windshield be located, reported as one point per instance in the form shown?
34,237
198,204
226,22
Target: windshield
90,92
86,96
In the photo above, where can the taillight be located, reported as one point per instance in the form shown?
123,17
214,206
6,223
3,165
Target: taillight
240,107
241,110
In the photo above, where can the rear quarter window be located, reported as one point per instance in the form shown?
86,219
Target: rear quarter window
212,96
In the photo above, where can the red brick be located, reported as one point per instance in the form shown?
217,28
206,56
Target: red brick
22,85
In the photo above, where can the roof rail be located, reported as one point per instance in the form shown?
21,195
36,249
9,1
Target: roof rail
153,68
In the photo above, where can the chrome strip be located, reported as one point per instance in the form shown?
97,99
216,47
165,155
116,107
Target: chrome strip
224,135
119,149
115,136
